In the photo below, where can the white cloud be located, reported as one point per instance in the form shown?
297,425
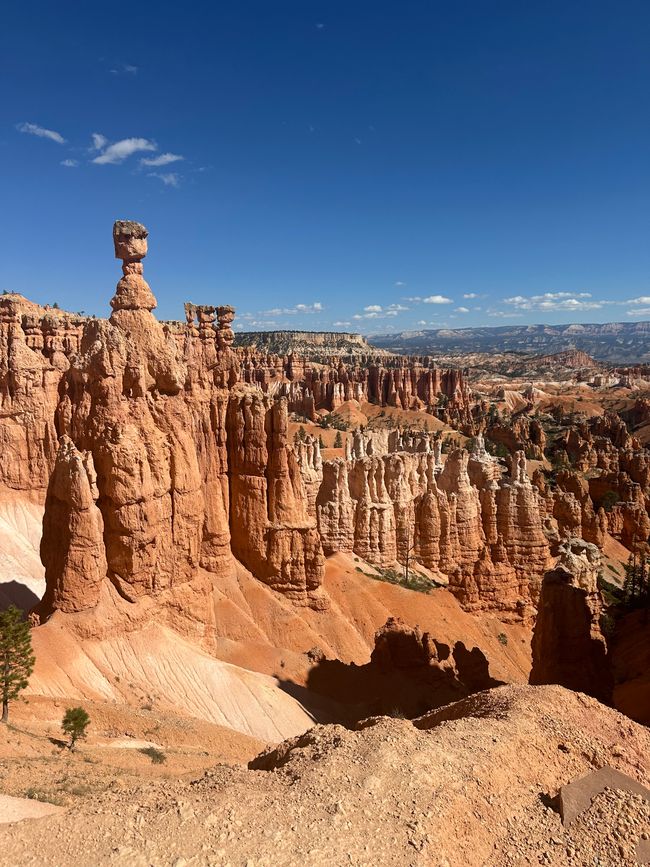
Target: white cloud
502,314
340,322
421,322
99,141
316,307
70,164
373,308
169,179
437,299
397,307
470,295
41,132
640,311
121,150
161,160
643,299
462,309
551,301
400,283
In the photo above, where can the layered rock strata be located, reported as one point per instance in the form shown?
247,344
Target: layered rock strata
463,520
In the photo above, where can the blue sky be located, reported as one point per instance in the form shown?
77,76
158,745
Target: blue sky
345,164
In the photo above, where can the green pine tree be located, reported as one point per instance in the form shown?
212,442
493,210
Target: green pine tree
338,440
16,657
75,722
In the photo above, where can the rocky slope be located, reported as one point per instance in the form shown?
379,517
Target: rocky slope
471,784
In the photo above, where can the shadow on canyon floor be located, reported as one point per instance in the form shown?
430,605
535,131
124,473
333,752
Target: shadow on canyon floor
15,593
403,682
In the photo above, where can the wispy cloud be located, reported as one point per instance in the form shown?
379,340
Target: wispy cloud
125,69
470,295
639,311
462,309
115,153
169,179
643,299
41,132
373,308
296,310
70,164
161,160
340,322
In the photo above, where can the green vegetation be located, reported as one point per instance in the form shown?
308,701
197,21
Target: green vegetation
612,595
157,756
415,581
38,795
74,724
502,638
16,657
637,581
497,450
338,440
330,420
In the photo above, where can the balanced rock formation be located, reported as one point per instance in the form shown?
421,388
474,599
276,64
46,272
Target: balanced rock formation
152,462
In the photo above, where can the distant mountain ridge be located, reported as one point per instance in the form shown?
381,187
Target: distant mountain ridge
307,343
612,342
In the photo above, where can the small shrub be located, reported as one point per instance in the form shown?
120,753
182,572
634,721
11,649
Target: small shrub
36,795
74,724
502,638
157,756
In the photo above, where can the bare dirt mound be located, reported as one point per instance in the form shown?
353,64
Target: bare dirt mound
466,787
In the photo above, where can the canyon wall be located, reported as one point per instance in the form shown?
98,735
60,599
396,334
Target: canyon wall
163,455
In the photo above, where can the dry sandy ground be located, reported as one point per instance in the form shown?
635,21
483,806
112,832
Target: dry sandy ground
465,786
37,770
